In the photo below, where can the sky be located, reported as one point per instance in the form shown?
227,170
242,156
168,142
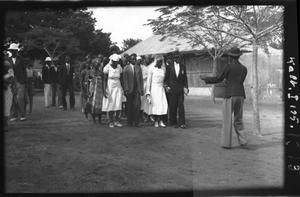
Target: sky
125,22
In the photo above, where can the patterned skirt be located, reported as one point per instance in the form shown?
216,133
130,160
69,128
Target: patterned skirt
97,98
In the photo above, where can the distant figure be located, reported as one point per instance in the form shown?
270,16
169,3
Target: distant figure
30,90
235,74
176,81
55,83
46,77
66,81
8,78
20,81
156,94
112,103
83,90
133,89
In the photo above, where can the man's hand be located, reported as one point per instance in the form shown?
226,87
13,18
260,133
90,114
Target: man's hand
186,91
203,77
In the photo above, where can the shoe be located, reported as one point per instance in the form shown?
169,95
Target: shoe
175,126
82,110
244,144
226,147
64,109
129,125
118,124
161,124
60,107
182,126
73,108
13,119
47,106
156,124
137,125
23,118
111,125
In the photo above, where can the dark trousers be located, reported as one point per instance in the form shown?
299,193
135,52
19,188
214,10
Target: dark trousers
133,107
64,89
176,105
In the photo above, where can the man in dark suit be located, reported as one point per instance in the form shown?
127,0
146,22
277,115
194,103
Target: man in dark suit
235,74
55,84
133,89
66,80
18,86
177,85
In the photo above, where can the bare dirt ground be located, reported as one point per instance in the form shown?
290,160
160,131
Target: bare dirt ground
61,151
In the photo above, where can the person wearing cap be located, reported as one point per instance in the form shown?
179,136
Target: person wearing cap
20,81
66,80
133,90
8,78
97,89
55,85
46,77
177,84
30,91
156,94
112,84
234,73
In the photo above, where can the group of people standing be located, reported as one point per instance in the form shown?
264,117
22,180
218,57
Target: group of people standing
149,86
58,79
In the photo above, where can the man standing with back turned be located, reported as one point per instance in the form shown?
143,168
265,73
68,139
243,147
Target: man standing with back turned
234,73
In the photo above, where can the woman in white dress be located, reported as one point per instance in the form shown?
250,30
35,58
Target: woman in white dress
112,101
156,94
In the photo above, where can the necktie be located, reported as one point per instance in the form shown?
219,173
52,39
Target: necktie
68,68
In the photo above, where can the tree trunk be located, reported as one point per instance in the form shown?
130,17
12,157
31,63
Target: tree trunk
214,70
256,120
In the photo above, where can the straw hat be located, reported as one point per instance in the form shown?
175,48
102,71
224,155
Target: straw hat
114,57
48,59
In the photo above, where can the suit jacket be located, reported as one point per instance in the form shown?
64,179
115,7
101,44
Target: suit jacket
19,69
55,75
46,75
235,74
128,78
176,83
66,78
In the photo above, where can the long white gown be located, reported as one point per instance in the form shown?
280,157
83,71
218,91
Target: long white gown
155,87
114,89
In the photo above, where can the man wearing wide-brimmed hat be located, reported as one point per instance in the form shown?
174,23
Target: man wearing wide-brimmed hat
234,73
18,86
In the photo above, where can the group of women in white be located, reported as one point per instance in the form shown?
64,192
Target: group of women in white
107,95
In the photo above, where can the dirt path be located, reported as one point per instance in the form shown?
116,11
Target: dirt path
61,151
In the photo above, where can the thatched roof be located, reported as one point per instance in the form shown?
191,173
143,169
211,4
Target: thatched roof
155,45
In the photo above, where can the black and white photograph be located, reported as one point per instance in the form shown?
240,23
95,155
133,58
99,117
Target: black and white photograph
156,98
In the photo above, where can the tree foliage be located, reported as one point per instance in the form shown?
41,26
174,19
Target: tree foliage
130,42
57,32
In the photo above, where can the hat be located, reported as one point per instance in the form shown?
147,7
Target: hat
234,51
48,59
14,46
159,57
55,59
139,58
125,55
96,61
114,57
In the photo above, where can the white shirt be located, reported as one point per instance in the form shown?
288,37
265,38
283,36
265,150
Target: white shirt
14,60
177,68
132,67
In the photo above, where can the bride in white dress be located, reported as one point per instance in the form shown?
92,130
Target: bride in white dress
155,90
